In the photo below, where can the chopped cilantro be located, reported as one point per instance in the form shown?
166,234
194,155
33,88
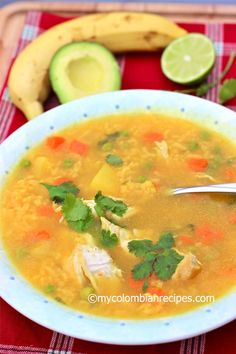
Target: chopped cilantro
124,133
205,135
147,165
68,163
49,289
159,258
25,163
145,286
166,241
166,263
77,214
193,145
107,146
110,138
58,193
104,204
114,160
141,179
142,270
140,247
107,239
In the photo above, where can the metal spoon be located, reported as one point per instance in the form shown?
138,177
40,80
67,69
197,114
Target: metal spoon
211,188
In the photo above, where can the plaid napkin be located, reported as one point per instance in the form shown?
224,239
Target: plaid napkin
140,70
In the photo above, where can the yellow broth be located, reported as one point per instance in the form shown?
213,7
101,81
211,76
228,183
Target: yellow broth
204,225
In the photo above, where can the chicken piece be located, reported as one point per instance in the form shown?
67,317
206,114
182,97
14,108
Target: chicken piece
99,268
188,268
74,268
162,148
91,204
73,265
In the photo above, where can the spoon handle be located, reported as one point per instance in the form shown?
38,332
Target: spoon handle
215,188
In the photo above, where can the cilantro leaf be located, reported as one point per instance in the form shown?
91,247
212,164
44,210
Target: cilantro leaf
107,239
166,241
109,139
114,160
227,90
142,270
203,89
166,264
140,247
104,204
78,215
145,286
58,193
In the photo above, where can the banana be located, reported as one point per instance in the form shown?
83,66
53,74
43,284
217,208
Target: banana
29,84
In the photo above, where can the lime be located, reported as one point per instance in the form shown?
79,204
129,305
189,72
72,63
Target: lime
188,59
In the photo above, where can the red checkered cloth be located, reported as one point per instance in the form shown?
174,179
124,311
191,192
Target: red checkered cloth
139,71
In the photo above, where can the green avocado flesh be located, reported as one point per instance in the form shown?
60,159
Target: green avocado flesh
83,69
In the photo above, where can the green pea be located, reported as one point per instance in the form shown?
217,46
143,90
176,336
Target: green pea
68,163
25,163
193,145
141,179
107,146
50,288
85,292
205,135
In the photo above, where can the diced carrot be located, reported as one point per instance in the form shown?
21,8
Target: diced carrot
45,210
230,174
232,218
228,271
78,147
157,185
151,137
185,239
36,236
135,284
207,234
59,215
197,164
61,180
54,142
155,291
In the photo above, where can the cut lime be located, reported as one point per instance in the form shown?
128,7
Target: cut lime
188,59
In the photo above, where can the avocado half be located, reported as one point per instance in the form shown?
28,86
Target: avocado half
83,68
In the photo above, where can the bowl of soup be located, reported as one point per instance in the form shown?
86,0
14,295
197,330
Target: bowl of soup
92,243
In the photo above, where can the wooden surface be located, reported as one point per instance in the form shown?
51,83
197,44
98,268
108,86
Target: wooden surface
12,17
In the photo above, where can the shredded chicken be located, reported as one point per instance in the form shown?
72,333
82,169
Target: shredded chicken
188,268
162,148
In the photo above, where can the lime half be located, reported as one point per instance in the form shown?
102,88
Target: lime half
188,59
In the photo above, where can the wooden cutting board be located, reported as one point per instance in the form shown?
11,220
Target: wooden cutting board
12,17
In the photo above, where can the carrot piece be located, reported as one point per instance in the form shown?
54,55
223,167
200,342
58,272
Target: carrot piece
59,215
135,284
45,210
155,291
185,239
151,137
36,236
207,234
197,164
230,174
232,218
54,142
61,180
79,148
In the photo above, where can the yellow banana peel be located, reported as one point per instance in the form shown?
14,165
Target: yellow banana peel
118,31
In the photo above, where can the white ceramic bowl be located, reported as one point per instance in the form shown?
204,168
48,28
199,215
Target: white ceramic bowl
31,303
